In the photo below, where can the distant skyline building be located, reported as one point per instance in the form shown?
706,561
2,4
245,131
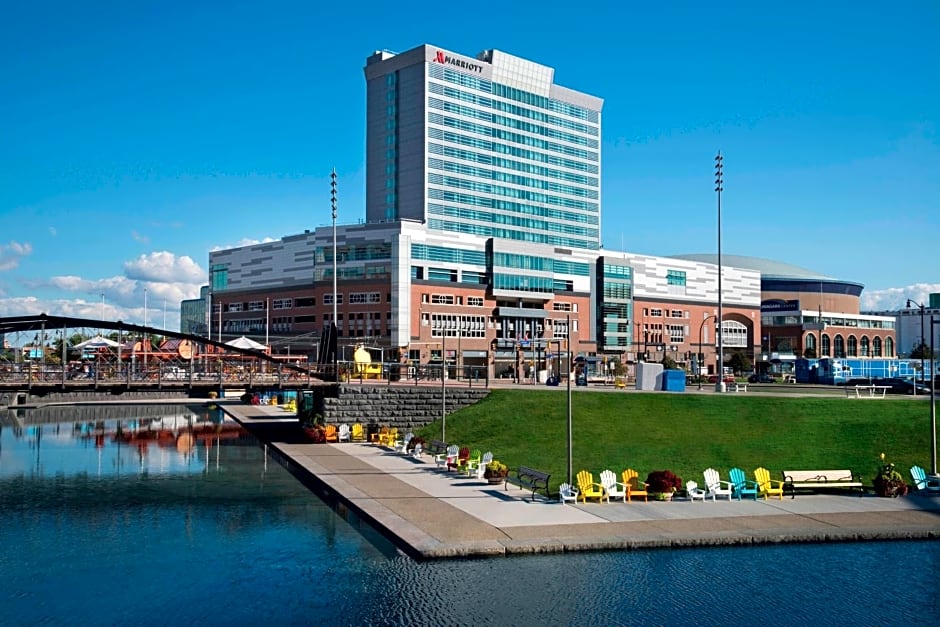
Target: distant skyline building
487,146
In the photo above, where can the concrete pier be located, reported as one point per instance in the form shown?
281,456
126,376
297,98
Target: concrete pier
431,514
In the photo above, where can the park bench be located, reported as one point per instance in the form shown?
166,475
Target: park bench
794,480
529,479
737,387
436,447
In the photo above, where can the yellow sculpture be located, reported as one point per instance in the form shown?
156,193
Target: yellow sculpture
363,364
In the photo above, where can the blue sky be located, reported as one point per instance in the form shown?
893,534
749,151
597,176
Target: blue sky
138,136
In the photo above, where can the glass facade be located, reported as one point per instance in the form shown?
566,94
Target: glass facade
510,164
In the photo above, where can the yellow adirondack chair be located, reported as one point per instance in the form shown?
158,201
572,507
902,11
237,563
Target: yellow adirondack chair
635,487
357,434
587,489
767,486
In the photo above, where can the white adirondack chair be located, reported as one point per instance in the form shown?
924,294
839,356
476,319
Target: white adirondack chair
715,487
695,492
481,467
567,492
402,447
614,488
442,459
342,434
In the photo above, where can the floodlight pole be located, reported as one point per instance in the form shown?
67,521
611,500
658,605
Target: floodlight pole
335,327
933,403
720,386
568,378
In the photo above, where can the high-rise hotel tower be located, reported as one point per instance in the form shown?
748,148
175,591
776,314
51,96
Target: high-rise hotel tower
484,145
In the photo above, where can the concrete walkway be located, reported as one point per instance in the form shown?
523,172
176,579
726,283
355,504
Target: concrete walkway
430,513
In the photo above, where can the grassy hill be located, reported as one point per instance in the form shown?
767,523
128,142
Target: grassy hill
687,433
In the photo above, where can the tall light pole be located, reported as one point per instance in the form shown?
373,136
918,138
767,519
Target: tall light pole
720,386
333,207
144,343
933,403
701,340
568,378
923,339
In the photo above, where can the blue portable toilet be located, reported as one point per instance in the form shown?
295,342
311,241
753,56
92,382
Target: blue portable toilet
674,380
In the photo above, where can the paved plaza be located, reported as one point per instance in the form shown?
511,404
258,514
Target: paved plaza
433,513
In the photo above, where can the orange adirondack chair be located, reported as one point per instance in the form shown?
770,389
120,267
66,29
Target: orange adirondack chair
330,432
635,487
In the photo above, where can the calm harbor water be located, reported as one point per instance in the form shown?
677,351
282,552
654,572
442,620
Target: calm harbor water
182,520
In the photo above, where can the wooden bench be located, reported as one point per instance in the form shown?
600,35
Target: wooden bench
820,480
529,479
436,447
737,387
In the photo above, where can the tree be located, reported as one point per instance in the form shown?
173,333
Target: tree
809,353
921,351
669,363
739,362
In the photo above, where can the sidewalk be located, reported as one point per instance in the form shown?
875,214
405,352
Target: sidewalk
431,513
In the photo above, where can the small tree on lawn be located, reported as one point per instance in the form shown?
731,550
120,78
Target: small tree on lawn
669,363
739,362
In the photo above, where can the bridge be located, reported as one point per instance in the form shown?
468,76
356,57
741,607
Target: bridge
44,354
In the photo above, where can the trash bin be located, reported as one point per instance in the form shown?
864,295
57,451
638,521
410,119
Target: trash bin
394,372
372,431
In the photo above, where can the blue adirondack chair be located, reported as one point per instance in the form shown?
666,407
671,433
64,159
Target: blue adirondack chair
741,485
923,482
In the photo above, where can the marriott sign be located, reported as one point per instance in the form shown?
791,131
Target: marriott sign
466,65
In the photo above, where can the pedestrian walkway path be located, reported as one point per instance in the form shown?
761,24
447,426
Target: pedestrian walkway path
432,513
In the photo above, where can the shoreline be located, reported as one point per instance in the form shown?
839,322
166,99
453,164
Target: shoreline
431,514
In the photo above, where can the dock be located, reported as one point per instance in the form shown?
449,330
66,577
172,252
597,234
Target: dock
430,513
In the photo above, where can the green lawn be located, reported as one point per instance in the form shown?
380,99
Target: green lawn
688,433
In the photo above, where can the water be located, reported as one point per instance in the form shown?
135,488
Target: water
220,534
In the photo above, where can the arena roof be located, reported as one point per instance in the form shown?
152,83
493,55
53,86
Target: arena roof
768,268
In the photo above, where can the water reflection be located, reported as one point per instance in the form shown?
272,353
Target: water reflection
218,535
187,440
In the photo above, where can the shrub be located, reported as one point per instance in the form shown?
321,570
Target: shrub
662,482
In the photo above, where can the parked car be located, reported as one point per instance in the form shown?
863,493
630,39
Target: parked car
761,377
727,379
907,386
895,385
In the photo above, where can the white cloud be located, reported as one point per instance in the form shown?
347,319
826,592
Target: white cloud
140,238
52,231
165,267
96,310
894,298
10,254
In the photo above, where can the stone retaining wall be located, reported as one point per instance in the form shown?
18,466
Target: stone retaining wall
397,406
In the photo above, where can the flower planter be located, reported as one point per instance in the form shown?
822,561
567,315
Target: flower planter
495,480
661,496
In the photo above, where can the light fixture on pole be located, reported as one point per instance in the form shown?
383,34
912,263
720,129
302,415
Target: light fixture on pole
719,172
923,340
333,207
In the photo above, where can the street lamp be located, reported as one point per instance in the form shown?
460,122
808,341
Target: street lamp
720,386
701,340
923,339
933,403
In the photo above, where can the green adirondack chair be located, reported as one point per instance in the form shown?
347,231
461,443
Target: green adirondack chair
742,485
